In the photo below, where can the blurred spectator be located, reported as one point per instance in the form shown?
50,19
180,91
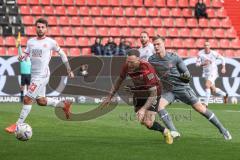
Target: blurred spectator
83,71
110,47
147,48
200,10
97,48
123,47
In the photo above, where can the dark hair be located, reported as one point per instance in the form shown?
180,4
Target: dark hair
133,52
145,33
42,20
158,37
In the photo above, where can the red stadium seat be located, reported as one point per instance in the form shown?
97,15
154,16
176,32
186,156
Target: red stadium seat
75,21
122,21
87,21
103,31
219,33
57,2
203,22
189,43
83,42
145,22
183,3
33,2
118,11
196,33
235,43
157,22
180,22
54,31
3,51
152,12
133,22
45,2
66,31
165,12
24,41
79,31
1,41
138,3
60,41
91,31
25,10
21,2
213,43
226,23
185,32
70,42
217,3
224,43
126,32
211,13
237,53
192,3
229,53
208,33
192,22
130,12
84,11
186,12
176,12
52,20
12,51
127,3
111,21
207,2
28,20
31,31
91,2
103,3
106,11
95,11
182,53
114,2
231,33
115,32
221,13
63,21
136,32
193,53
75,52
168,43
142,12
86,52
72,11
149,3
173,32
80,2
168,22
160,3
37,10
214,23
177,43
69,2
60,10
99,21
48,10
151,31
200,43
10,41
172,3
162,32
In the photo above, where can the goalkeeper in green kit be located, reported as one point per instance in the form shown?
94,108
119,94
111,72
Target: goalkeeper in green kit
175,78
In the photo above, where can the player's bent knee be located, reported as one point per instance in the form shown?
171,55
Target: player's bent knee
148,124
27,100
42,102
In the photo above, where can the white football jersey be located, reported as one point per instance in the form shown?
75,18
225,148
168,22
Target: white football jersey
212,68
40,52
146,52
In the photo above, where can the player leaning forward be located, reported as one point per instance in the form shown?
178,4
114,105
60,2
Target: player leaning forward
39,49
175,78
146,91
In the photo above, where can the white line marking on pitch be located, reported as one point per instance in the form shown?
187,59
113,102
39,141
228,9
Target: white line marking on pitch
187,109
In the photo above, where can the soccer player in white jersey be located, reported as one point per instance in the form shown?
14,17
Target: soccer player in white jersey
147,48
39,49
207,60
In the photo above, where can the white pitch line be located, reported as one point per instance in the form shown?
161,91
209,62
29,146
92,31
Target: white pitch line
187,109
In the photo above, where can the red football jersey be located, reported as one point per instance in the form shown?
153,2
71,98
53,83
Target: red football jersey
143,78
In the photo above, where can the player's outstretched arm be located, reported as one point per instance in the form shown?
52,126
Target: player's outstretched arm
185,75
152,98
65,61
223,70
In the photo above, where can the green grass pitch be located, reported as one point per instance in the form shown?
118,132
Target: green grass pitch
117,135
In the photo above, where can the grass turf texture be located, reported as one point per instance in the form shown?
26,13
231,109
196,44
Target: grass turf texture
118,135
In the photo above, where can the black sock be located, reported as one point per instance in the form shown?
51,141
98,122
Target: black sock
157,127
21,97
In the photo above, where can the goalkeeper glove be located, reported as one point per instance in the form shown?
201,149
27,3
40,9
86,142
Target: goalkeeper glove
185,77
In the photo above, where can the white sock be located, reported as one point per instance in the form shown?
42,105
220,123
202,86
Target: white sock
220,92
208,94
24,113
54,102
